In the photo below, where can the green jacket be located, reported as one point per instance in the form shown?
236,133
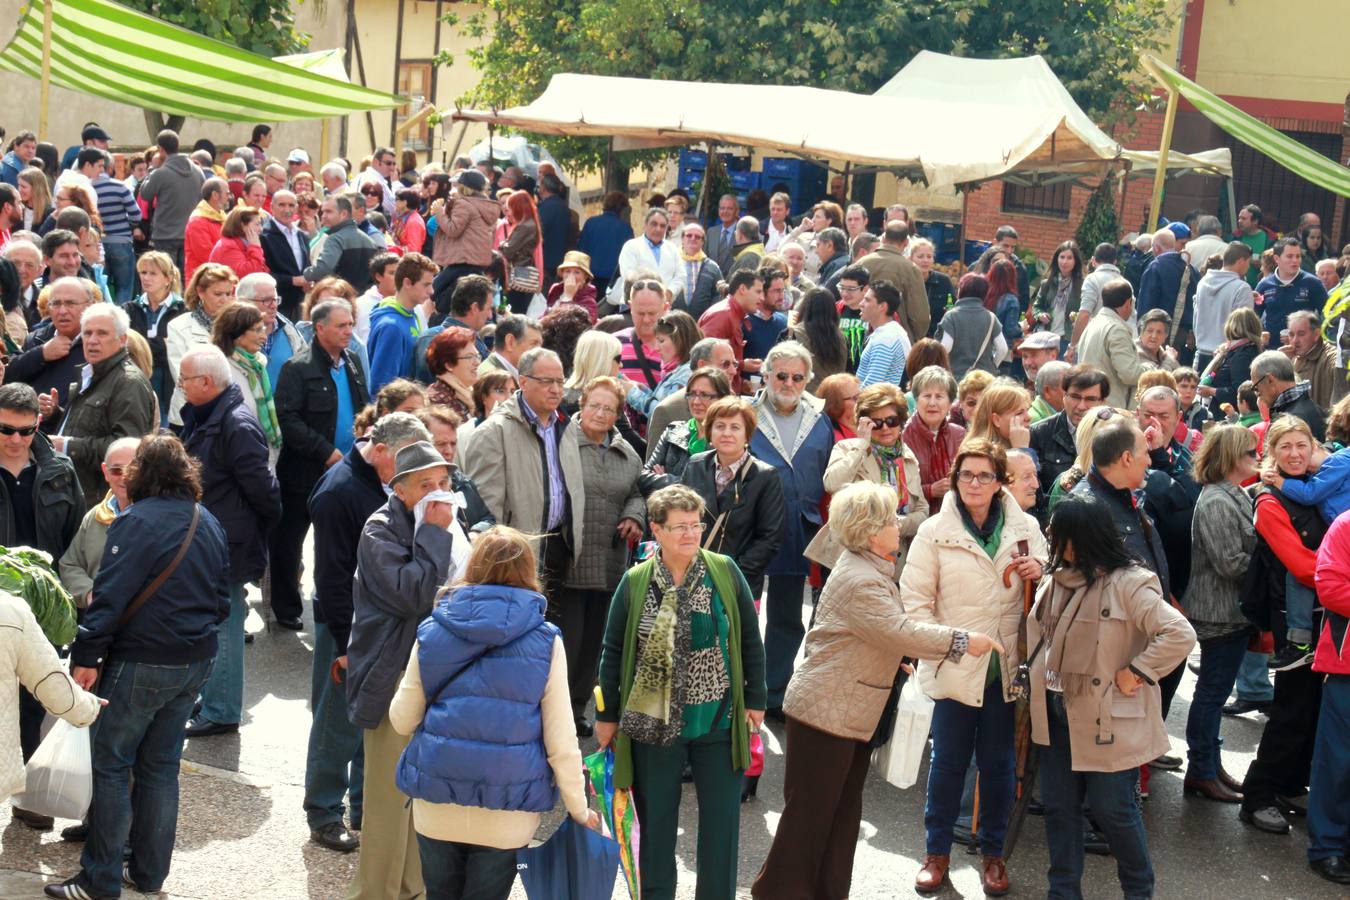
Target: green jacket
119,402
618,661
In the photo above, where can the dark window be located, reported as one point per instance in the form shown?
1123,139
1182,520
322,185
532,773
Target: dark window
1048,200
1282,195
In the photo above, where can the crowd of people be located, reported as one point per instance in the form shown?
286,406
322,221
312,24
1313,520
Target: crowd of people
555,471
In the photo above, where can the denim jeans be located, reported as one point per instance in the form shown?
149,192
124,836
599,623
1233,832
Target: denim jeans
223,693
1298,610
335,761
1219,664
120,261
455,871
1329,789
957,730
1253,681
1111,796
141,732
783,633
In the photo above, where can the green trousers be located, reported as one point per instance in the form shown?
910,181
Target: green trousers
657,784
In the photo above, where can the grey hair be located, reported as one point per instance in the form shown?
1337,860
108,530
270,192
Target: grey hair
702,352
210,361
788,350
1305,315
235,166
247,288
245,153
1055,368
333,169
1207,225
15,246
934,376
399,429
1161,392
321,311
530,358
121,321
748,227
656,211
1275,364
121,444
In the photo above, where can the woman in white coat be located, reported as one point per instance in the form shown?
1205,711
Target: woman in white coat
966,569
210,290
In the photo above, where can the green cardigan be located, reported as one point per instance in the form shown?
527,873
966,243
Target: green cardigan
618,660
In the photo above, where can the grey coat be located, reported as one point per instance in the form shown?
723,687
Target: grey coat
610,472
1223,537
398,575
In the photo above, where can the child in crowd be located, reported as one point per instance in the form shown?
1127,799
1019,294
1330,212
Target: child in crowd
1194,412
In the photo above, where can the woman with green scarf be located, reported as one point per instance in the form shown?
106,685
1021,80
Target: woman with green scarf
240,332
877,455
682,439
682,682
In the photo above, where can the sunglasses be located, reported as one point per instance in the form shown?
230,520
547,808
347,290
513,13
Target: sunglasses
618,357
784,377
649,286
887,422
26,431
116,470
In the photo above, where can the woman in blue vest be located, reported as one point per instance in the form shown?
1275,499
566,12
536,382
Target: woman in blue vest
485,698
682,675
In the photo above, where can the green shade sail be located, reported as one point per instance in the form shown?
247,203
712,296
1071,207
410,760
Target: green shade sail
119,54
1301,160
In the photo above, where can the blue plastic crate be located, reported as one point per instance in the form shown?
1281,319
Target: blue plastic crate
693,159
973,249
744,181
782,167
689,177
735,163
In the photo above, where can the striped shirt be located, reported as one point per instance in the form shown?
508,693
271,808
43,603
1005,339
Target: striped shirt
117,208
883,359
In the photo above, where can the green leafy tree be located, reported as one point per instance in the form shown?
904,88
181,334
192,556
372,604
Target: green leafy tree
265,27
852,45
1099,224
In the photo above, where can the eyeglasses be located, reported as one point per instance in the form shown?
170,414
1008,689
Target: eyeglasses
116,471
265,301
600,409
693,235
887,422
65,304
374,193
547,382
684,530
471,356
705,396
618,357
783,377
1106,414
1079,398
985,479
846,289
729,366
1256,385
649,286
26,430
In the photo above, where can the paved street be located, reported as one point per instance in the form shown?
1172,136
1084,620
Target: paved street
242,834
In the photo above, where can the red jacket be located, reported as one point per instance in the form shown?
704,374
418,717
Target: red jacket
725,321
242,257
1333,591
199,239
1273,524
935,452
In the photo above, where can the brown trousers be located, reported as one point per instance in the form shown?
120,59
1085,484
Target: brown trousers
812,853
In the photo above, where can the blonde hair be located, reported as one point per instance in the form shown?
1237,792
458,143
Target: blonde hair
1087,428
501,555
1151,379
1242,323
1002,397
974,380
879,396
138,348
593,357
1283,425
207,274
1223,449
859,511
164,262
40,193
604,383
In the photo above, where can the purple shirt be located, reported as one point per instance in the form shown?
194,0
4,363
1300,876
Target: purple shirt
557,487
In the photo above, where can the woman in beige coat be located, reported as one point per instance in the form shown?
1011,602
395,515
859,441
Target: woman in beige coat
966,569
878,456
836,697
1100,636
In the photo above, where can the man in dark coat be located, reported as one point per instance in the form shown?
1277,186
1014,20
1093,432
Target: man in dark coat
319,393
53,354
242,493
1276,383
286,249
554,223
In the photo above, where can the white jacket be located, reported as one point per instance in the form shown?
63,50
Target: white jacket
948,579
636,256
184,333
27,658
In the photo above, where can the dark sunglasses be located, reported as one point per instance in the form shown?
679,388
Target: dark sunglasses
373,193
618,357
649,286
887,422
797,378
26,431
116,470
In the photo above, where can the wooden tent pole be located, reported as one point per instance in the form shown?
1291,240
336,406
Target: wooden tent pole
44,94
1160,176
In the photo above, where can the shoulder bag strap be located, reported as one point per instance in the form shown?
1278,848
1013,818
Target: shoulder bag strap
1180,307
710,542
993,326
644,362
149,590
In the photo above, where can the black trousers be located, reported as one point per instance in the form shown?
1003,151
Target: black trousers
285,549
443,288
1283,763
581,615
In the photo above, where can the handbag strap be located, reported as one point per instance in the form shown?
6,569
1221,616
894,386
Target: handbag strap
993,324
149,590
1180,306
708,542
644,362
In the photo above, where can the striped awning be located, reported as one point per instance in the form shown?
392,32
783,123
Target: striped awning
1302,161
119,54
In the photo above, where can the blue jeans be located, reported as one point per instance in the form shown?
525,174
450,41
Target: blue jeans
1219,664
1253,680
223,693
455,871
335,761
120,261
1329,788
1111,796
140,732
1298,610
783,632
957,730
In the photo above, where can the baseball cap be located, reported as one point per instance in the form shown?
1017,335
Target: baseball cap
94,133
298,156
1180,230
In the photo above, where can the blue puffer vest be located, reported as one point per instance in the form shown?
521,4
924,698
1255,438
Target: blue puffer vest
484,654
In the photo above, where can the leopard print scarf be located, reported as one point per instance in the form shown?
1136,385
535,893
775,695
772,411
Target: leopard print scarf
654,714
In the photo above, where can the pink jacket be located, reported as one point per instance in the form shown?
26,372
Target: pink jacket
1333,590
464,231
242,257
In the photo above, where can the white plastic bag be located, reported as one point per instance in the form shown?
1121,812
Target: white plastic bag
60,776
538,306
898,759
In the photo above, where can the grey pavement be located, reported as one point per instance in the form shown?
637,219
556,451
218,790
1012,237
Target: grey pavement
242,834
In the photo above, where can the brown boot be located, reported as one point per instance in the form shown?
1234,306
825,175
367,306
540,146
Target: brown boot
1211,789
1229,781
995,876
933,875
